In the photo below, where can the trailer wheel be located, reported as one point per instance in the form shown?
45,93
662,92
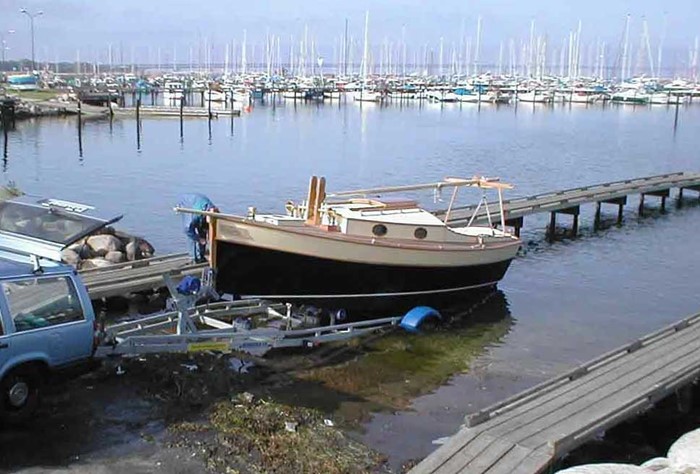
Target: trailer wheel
19,394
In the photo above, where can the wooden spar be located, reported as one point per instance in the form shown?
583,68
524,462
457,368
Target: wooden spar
311,199
320,197
489,183
211,220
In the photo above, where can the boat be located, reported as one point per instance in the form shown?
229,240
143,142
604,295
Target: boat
363,249
23,82
173,91
630,96
535,96
214,95
366,95
332,94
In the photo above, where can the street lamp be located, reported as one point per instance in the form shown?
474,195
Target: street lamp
31,23
3,47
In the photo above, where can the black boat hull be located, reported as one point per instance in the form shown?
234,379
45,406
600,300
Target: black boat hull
356,287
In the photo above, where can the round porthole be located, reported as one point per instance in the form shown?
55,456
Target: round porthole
420,233
379,230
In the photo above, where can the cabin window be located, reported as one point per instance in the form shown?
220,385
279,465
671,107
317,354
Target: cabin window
420,233
379,230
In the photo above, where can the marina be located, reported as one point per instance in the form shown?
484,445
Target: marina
266,157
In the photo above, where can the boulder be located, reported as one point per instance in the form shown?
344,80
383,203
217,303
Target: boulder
94,263
656,464
146,249
103,243
606,468
138,248
83,250
70,257
114,256
684,454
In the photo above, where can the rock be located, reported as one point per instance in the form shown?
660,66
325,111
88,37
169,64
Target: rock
94,263
146,249
70,257
684,454
138,248
656,464
132,250
609,468
83,250
114,257
103,243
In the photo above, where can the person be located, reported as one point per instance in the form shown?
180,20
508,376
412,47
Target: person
196,225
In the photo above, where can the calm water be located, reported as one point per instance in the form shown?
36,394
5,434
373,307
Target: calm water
570,301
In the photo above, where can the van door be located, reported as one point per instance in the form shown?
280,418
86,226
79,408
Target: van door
5,348
48,316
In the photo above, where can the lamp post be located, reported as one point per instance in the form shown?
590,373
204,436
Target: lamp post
31,24
3,47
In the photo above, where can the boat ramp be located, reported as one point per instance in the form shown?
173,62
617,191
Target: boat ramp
526,433
569,201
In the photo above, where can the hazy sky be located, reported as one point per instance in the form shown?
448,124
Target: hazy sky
90,25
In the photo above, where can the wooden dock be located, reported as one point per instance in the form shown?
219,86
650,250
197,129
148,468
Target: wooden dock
526,433
140,275
159,111
569,201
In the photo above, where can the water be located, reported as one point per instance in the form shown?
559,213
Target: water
570,301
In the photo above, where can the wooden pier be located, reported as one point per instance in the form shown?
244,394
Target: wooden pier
160,111
526,433
569,201
140,275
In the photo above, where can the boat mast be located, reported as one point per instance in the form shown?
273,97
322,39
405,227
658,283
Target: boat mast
661,47
623,70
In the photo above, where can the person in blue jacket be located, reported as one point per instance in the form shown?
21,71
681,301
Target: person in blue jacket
196,226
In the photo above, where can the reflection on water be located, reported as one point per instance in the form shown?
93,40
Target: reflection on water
569,301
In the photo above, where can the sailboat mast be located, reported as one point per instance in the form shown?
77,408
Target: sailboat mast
365,54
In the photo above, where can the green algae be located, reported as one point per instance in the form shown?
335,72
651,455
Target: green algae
392,370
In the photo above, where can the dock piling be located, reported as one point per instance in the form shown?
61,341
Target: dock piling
552,226
80,129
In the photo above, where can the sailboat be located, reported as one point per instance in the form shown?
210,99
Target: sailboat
365,95
360,249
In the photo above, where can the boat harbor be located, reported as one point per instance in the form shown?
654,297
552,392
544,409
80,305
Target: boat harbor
401,240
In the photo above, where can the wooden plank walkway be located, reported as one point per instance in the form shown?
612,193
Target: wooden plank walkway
139,275
572,198
526,433
162,111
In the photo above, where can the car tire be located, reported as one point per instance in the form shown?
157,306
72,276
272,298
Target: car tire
19,394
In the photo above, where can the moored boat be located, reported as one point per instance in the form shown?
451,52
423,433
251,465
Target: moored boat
353,250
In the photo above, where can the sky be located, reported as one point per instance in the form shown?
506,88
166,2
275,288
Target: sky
136,26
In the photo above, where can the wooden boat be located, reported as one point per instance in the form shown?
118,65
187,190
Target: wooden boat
354,250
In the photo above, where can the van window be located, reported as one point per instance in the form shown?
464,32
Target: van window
42,302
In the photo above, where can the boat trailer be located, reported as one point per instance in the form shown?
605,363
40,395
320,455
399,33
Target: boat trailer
227,326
